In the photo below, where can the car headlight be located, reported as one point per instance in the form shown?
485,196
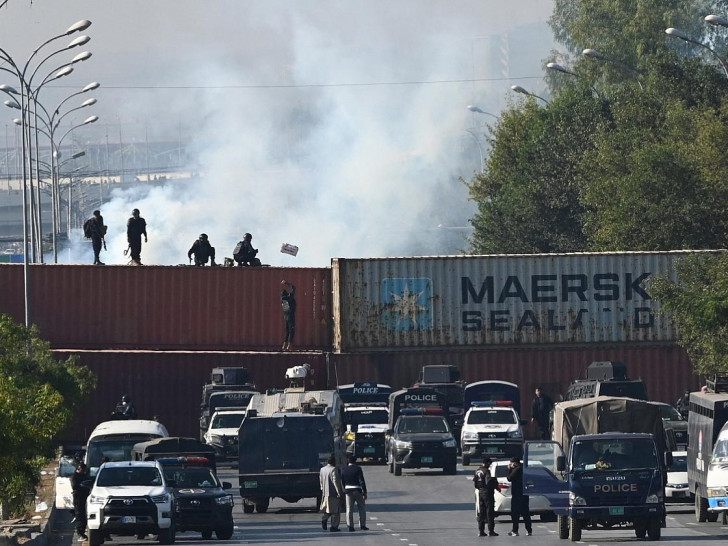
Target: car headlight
161,499
349,436
227,500
515,434
576,500
449,443
231,441
96,499
652,499
717,492
469,435
214,439
402,445
677,485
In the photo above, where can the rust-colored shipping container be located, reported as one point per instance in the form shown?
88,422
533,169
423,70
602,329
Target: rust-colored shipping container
169,308
666,370
168,384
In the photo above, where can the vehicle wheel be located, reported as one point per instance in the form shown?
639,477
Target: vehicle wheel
654,529
451,469
141,536
262,506
397,468
563,527
466,460
701,508
574,530
167,536
248,508
640,529
207,534
95,537
547,517
225,532
390,464
712,517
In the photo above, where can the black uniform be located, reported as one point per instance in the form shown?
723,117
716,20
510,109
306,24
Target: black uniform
288,303
97,231
247,254
203,251
541,413
683,405
485,485
80,494
519,501
135,228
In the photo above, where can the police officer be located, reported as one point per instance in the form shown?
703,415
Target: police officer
485,486
79,486
136,226
519,501
126,409
202,250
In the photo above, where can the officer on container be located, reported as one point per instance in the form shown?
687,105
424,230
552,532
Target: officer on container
485,486
136,226
202,251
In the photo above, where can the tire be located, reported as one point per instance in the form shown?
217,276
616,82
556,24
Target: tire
466,460
640,529
574,530
248,508
712,517
701,508
262,506
95,537
167,536
141,536
318,503
654,529
390,464
563,527
547,517
397,469
207,534
225,532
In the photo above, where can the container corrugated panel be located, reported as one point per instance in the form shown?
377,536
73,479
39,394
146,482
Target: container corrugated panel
169,384
477,301
666,370
154,307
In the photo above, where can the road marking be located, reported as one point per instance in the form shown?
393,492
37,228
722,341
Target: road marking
380,524
393,534
373,518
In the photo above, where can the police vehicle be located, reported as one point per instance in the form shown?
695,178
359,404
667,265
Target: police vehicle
223,432
366,417
492,429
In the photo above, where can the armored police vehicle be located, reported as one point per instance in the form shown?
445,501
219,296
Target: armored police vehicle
708,450
445,379
606,378
419,435
366,416
228,387
284,440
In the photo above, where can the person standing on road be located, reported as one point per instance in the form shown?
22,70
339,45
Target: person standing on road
288,303
541,412
80,494
136,226
485,486
331,495
519,501
355,488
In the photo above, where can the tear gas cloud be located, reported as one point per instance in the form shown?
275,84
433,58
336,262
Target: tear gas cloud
304,119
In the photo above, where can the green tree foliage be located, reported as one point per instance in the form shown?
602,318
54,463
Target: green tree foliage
39,396
698,304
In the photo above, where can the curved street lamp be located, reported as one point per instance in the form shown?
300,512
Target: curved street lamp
597,56
522,91
559,68
478,110
679,34
716,20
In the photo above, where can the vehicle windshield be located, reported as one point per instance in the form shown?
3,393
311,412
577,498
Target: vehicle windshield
367,416
116,449
720,451
614,454
634,389
491,417
668,413
129,476
422,425
227,420
679,463
191,477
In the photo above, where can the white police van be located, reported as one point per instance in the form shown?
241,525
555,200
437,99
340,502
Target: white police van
491,429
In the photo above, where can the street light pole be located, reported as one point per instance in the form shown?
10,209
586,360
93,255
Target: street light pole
594,54
522,91
675,33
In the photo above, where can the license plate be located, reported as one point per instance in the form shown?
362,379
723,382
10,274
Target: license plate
426,459
128,519
250,485
369,450
616,511
492,450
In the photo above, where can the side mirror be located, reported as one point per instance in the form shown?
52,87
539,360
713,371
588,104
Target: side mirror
560,463
389,432
668,459
227,485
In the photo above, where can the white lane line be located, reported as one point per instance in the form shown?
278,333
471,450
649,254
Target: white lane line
373,518
380,524
394,534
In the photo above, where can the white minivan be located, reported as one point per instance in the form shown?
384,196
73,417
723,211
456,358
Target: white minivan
115,440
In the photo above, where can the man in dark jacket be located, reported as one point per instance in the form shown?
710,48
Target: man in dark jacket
95,230
288,303
136,226
485,486
80,494
541,412
355,489
202,251
247,254
519,501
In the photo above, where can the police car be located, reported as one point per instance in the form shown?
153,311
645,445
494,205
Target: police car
223,432
491,429
676,487
366,429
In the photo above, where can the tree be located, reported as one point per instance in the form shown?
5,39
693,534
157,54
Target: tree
39,396
698,304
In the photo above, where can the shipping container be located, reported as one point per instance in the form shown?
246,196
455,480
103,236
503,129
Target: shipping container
503,300
169,308
666,370
168,384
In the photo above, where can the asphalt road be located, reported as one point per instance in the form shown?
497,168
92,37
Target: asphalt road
420,508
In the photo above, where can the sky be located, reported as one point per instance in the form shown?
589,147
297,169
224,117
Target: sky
339,127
